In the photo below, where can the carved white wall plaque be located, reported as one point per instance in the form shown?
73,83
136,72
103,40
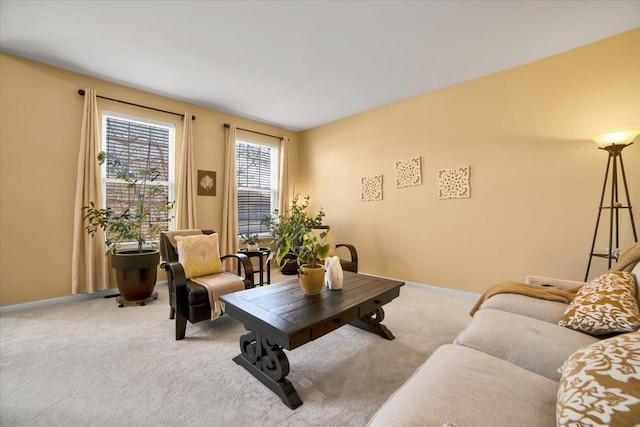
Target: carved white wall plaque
408,172
371,188
454,183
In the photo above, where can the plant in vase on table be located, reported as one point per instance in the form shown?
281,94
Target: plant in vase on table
310,256
297,243
252,241
141,223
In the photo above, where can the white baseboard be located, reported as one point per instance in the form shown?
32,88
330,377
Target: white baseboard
114,291
424,285
69,298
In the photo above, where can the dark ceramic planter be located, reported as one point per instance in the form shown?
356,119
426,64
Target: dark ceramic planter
136,273
290,267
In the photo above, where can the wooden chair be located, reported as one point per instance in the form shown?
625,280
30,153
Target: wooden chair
188,300
350,264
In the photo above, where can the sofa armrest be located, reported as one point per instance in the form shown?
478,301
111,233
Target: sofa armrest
558,283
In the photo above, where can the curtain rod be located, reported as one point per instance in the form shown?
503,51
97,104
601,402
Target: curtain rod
226,125
81,92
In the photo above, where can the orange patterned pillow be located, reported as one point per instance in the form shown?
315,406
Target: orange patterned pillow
600,384
605,305
199,254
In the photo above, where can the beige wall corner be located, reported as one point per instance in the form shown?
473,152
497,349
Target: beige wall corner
536,177
40,114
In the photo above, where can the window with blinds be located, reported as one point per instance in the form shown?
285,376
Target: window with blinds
143,145
256,166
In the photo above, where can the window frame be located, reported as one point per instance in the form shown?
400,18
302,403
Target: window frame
171,127
274,188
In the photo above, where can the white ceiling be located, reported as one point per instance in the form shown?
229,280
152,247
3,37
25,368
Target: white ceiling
301,64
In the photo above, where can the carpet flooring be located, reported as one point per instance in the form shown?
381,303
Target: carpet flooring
91,363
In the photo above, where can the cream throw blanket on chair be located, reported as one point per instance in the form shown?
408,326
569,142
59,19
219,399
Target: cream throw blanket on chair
200,257
216,285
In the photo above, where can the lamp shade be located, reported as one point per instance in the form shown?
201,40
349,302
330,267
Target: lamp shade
622,136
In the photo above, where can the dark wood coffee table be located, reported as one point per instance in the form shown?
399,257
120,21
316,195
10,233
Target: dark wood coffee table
280,316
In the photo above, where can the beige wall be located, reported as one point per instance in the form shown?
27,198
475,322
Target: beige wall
536,177
40,115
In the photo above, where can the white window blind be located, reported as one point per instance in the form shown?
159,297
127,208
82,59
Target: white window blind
142,145
256,165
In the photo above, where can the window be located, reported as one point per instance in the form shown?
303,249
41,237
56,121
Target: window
256,167
143,144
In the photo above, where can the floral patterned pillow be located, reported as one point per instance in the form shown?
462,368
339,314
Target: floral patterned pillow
605,305
600,384
199,254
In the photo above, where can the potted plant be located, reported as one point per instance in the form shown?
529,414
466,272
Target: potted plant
135,269
252,241
297,243
310,256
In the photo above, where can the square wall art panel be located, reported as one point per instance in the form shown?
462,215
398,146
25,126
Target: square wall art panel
408,172
371,188
454,183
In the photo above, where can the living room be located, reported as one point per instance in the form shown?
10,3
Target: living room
524,132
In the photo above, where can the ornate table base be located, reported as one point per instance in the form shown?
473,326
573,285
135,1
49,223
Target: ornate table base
280,317
371,323
267,362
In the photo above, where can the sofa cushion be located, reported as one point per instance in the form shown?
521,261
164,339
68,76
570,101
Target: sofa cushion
535,345
549,311
601,384
467,387
604,306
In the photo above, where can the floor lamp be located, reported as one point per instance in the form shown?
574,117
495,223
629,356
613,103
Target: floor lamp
613,142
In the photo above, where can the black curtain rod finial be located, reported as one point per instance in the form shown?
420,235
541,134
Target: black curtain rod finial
82,92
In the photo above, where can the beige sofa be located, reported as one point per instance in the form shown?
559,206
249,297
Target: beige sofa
502,370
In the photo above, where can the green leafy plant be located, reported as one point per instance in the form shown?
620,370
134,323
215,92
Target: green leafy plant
141,224
314,249
250,239
292,233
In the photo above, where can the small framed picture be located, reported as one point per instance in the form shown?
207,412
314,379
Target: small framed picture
206,183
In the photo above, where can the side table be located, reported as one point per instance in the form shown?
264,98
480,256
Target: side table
261,253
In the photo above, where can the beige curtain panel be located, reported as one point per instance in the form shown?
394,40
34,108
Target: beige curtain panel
283,175
89,269
186,191
229,232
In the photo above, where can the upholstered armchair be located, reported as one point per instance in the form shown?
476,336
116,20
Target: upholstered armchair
195,278
352,263
348,264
